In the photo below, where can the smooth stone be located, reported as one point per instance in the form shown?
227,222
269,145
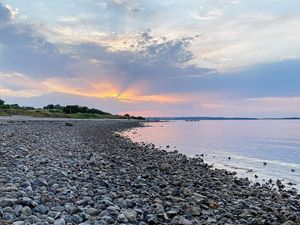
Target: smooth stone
152,219
77,219
41,209
92,211
18,223
54,214
32,219
172,213
101,222
194,211
8,216
25,201
165,167
122,218
50,220
130,214
184,221
7,202
26,211
40,182
289,222
60,222
109,219
187,191
85,223
8,210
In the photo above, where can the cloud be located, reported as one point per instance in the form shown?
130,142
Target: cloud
59,67
142,55
20,85
24,50
247,39
213,9
150,60
231,36
5,14
131,8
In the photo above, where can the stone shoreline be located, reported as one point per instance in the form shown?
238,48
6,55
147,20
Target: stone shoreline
82,172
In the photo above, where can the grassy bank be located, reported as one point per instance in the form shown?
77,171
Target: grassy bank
48,113
59,111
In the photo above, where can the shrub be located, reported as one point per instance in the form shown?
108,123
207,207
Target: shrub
50,106
71,109
28,108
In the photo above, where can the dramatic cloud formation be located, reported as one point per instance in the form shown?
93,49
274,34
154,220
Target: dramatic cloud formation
195,57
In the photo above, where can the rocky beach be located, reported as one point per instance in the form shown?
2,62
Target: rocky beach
85,172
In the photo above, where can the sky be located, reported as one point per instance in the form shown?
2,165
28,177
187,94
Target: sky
153,58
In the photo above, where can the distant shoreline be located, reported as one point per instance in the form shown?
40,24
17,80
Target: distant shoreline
156,119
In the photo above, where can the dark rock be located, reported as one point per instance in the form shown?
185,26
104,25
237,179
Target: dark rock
25,201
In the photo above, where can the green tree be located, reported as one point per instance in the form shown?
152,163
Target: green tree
71,109
2,102
50,106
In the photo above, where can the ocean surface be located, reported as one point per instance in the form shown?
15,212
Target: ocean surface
249,144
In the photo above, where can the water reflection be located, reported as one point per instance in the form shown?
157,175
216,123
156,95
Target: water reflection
248,143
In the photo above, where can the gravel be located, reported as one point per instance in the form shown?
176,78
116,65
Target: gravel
85,172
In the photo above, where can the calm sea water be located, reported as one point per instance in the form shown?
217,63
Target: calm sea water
248,143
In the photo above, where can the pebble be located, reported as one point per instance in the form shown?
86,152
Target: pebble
92,211
60,222
18,223
130,214
289,222
90,174
165,167
184,221
26,211
122,218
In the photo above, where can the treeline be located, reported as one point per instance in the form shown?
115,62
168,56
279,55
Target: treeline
72,109
13,106
69,109
127,116
59,109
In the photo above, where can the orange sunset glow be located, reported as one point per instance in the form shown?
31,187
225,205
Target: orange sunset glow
219,58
